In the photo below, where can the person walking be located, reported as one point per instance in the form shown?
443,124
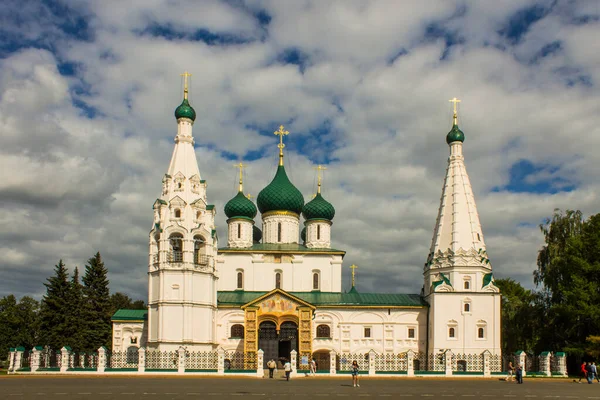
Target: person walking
271,365
519,373
313,367
287,368
511,370
582,372
589,373
355,373
595,372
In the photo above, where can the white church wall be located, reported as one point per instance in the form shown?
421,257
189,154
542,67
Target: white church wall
127,334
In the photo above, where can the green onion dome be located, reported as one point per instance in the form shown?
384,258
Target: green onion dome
256,234
455,135
240,206
318,208
280,195
303,235
185,111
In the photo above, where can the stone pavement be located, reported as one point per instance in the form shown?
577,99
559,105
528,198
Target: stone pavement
196,387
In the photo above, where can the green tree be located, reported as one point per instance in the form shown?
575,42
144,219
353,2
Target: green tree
97,304
77,329
19,325
55,308
120,300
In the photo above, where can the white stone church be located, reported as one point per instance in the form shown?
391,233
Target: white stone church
278,286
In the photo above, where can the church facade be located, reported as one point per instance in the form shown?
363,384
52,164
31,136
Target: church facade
277,286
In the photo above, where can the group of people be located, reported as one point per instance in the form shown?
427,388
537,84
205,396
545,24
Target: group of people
514,372
287,368
589,372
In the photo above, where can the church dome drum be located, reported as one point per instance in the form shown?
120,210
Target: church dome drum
280,195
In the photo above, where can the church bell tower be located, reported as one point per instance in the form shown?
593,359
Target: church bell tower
182,281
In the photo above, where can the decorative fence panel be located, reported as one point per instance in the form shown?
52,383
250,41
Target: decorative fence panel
420,361
164,360
50,359
239,361
344,361
391,362
532,363
555,364
467,363
123,359
92,360
25,360
201,360
436,362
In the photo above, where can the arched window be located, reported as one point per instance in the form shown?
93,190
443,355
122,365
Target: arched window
279,231
467,307
176,241
240,280
177,213
200,257
481,333
198,214
316,281
239,226
318,232
451,333
237,331
323,331
278,280
467,285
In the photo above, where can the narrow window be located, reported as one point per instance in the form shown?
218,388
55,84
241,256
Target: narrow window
178,213
411,333
278,280
237,331
323,331
239,226
480,333
316,281
467,285
240,280
198,214
367,332
478,237
133,340
279,231
467,307
318,232
451,333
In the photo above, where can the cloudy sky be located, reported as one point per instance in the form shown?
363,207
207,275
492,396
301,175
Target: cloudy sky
88,89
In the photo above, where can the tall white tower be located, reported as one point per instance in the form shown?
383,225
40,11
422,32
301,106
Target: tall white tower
182,288
459,285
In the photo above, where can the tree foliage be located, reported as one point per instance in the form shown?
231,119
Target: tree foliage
54,327
19,325
97,310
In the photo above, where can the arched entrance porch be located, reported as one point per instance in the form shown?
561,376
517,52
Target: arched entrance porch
277,342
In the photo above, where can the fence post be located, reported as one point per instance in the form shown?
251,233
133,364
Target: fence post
410,363
522,357
448,362
293,361
64,358
260,372
562,363
35,358
181,362
487,371
141,360
102,364
19,358
545,361
221,361
11,359
332,362
82,357
372,356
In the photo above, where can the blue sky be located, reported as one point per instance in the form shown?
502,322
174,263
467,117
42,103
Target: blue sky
88,91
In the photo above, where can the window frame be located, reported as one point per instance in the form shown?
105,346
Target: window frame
236,326
239,279
367,329
319,332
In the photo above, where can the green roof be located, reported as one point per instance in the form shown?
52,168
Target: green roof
185,110
240,206
210,206
130,315
455,135
318,208
443,280
293,248
324,299
280,195
487,279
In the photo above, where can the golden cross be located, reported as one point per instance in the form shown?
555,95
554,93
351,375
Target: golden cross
353,267
241,167
319,169
281,132
249,196
185,84
455,117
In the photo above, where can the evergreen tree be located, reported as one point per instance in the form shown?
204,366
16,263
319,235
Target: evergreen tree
55,308
77,330
19,325
97,305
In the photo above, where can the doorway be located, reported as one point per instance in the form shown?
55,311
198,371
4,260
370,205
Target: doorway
277,345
